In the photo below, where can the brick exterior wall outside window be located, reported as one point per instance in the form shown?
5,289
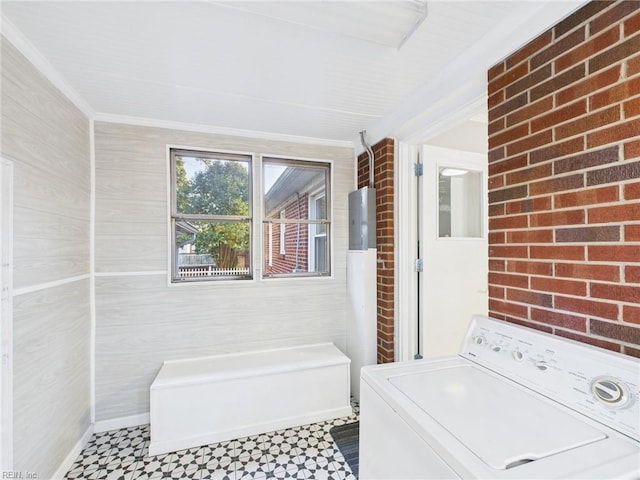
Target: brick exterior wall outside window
564,170
383,183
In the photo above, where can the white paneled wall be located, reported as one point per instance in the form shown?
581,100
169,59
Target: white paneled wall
141,320
47,138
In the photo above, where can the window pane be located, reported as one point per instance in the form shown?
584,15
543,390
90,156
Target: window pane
297,254
211,186
212,249
287,189
459,203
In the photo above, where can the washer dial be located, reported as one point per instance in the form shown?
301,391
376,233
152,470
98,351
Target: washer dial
611,392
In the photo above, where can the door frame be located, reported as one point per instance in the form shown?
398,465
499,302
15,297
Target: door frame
6,314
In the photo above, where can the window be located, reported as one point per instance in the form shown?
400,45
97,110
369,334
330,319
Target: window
459,203
210,216
296,199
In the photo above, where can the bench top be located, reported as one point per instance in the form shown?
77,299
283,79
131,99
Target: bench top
248,364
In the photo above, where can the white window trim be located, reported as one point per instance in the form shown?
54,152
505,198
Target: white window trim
311,250
283,233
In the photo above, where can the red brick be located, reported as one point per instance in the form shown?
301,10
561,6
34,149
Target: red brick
620,52
632,25
496,210
631,108
529,205
557,319
508,280
533,268
530,48
582,15
496,126
618,293
559,115
557,82
616,331
588,123
497,265
587,49
529,297
507,165
631,314
632,233
508,106
505,223
508,78
496,238
529,143
608,233
509,136
586,160
591,341
530,111
495,71
530,236
507,308
558,48
587,307
497,196
496,292
564,217
633,65
508,251
614,253
589,271
496,182
525,323
563,252
528,174
591,84
557,150
616,173
617,213
559,184
632,149
613,15
632,191
534,78
615,94
554,285
632,275
633,352
586,197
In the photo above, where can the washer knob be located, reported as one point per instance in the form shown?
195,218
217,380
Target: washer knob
517,355
542,365
611,391
496,348
479,340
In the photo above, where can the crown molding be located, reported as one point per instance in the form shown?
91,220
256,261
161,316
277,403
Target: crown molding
13,35
235,132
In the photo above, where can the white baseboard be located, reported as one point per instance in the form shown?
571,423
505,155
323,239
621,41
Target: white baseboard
121,422
64,467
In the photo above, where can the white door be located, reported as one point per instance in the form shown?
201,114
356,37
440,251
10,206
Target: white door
6,321
453,247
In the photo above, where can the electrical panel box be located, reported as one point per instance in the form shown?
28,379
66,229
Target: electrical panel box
362,219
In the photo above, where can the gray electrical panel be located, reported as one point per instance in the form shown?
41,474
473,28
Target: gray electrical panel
362,219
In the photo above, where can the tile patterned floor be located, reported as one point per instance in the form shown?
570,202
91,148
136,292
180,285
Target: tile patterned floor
305,453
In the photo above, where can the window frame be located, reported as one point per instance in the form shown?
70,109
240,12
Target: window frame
172,152
308,223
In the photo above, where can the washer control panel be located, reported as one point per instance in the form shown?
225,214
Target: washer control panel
598,383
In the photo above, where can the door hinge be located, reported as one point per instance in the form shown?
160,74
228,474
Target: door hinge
417,167
418,265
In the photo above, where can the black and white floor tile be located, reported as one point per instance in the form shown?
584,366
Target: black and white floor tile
305,453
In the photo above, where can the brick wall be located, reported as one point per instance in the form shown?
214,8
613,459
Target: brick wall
564,189
383,183
287,262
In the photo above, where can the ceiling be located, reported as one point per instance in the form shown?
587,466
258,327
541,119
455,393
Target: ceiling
319,69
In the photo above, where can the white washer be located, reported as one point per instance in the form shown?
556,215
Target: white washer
515,403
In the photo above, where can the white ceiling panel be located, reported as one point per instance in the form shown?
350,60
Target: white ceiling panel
309,68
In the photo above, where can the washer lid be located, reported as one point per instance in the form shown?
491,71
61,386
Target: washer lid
501,423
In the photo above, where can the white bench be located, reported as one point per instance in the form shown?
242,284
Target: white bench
212,399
